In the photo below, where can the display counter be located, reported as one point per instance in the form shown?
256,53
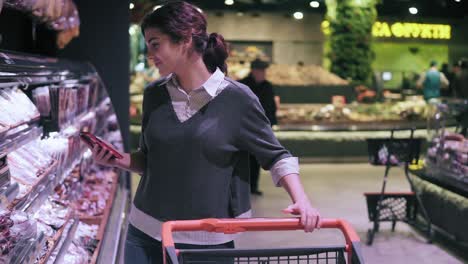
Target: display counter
335,146
56,204
313,94
352,126
443,182
446,202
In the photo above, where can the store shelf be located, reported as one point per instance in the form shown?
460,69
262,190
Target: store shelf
62,173
37,190
55,240
437,177
39,197
77,121
353,126
30,251
68,234
3,131
19,137
8,194
46,188
103,116
28,72
109,245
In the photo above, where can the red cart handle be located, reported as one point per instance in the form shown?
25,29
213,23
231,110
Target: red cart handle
232,226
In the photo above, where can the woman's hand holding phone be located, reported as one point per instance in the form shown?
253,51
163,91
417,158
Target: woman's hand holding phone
104,157
103,153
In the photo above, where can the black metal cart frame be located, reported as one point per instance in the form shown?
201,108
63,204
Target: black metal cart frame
401,206
348,253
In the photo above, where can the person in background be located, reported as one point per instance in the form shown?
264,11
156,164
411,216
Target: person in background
460,85
456,67
449,75
198,129
432,81
263,89
461,91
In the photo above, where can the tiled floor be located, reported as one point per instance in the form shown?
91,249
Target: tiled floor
337,190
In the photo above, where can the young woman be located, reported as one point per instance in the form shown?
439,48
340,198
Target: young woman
199,127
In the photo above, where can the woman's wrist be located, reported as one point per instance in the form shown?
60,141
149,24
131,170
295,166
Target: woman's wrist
123,163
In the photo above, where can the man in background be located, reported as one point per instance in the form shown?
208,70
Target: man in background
263,89
432,81
460,85
449,75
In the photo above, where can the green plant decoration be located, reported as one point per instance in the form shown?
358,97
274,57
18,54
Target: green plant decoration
350,50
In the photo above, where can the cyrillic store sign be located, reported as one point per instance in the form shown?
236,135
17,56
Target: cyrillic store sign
404,30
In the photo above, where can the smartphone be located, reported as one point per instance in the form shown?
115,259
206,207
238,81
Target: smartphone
91,140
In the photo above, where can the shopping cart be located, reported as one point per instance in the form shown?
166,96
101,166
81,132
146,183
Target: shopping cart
330,254
394,206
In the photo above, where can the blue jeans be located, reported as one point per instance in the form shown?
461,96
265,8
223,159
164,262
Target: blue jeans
143,249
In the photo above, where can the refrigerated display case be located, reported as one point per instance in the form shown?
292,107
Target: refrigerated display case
56,205
443,180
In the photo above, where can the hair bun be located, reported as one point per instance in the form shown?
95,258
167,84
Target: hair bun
213,36
216,53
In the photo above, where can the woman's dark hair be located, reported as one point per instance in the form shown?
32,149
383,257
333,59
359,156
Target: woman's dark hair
182,21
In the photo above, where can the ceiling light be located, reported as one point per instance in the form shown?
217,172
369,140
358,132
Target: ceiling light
132,5
229,2
157,7
298,15
413,10
458,1
314,4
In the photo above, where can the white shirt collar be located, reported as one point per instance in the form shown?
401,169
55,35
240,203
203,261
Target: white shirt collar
210,86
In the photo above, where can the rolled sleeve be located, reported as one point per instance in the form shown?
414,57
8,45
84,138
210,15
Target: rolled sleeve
284,167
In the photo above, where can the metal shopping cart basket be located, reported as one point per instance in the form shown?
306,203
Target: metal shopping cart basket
394,206
330,254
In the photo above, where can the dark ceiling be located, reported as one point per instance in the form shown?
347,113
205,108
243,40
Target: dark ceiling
397,8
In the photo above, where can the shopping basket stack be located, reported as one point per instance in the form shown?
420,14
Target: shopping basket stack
348,253
394,206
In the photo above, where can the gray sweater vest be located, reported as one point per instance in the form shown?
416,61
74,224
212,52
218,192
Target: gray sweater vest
200,168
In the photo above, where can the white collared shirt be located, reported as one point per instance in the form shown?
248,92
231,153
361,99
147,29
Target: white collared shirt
185,106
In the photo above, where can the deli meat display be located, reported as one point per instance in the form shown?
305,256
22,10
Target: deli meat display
56,204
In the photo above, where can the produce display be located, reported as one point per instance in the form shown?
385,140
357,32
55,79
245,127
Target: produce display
140,79
278,74
317,113
296,75
247,52
289,75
